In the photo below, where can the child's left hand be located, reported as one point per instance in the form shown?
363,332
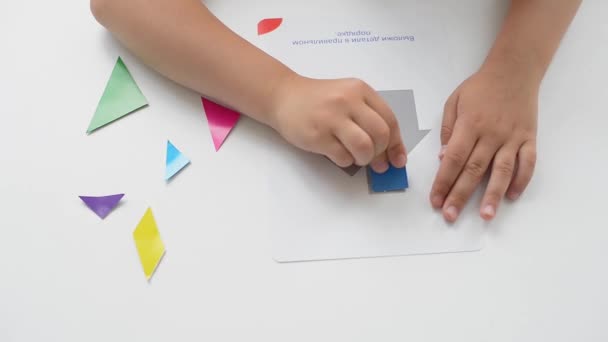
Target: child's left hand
490,124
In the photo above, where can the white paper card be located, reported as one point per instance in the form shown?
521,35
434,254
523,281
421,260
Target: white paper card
319,212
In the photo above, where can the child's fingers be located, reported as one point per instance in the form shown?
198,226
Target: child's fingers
457,154
526,162
449,118
502,172
468,180
447,124
375,127
380,163
356,141
337,153
397,154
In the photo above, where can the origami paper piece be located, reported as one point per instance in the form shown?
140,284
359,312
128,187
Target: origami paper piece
102,205
393,179
175,161
221,121
403,104
268,25
351,170
120,97
149,245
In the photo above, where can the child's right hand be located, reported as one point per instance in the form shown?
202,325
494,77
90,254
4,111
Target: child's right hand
343,119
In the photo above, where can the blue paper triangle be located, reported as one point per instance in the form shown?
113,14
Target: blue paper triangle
175,161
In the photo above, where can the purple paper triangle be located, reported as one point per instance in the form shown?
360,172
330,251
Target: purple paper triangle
102,205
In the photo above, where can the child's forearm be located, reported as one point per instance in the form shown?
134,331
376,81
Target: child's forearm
530,36
182,40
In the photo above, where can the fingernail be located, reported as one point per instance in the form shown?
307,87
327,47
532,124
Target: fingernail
437,201
513,195
380,166
400,160
451,213
442,151
488,212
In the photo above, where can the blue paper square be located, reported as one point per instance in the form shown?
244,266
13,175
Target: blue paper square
393,179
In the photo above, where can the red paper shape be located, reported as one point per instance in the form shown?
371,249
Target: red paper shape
268,25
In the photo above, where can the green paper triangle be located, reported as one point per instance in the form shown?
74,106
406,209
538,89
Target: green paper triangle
121,97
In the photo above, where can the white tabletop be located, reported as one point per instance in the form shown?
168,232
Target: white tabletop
65,275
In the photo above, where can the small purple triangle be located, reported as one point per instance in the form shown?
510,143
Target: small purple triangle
102,205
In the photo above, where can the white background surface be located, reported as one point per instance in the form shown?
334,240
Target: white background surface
67,276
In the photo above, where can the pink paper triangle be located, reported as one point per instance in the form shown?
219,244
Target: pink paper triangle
221,121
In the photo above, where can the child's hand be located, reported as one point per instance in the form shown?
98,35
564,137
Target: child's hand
489,124
345,120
